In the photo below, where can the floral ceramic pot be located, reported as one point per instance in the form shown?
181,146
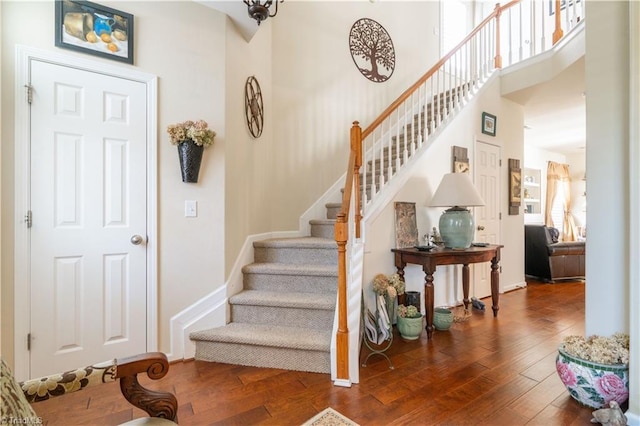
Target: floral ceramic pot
410,328
592,384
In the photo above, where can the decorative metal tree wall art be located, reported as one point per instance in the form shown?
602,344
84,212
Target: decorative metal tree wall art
372,50
253,107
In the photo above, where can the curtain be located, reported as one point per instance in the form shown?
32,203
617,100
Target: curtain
558,175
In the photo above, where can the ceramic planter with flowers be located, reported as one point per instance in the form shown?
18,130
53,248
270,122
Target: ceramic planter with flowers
191,137
595,370
409,322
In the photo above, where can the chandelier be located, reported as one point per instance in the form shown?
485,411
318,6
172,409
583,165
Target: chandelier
259,10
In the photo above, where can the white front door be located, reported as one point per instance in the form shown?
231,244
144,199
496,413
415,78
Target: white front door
487,179
88,175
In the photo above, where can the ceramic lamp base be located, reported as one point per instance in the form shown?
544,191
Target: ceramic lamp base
457,228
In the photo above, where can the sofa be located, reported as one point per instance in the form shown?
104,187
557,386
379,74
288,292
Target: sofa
548,260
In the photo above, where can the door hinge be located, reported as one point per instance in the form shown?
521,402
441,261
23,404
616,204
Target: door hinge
500,216
29,92
499,161
29,341
28,218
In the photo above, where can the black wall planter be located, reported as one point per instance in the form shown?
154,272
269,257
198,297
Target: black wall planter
190,159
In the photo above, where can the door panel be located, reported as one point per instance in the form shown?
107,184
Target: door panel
487,178
88,198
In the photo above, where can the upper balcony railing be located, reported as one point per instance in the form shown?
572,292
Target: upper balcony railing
509,34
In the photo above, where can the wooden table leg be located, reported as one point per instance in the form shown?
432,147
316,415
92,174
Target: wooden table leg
495,286
428,302
465,286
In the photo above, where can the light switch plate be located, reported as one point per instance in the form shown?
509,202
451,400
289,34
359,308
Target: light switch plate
190,208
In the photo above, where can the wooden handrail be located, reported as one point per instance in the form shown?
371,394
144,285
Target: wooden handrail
405,95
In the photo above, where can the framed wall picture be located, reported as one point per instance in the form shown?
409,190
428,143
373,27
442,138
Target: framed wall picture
94,29
406,226
489,124
515,186
460,159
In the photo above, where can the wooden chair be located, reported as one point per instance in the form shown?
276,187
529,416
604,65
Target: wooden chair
162,407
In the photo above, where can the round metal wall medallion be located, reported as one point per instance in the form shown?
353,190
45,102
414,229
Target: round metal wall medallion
253,106
372,50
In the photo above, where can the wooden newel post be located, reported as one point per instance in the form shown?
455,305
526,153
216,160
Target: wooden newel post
497,61
356,150
342,335
557,33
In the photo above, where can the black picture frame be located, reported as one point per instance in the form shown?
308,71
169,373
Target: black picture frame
489,122
563,5
94,29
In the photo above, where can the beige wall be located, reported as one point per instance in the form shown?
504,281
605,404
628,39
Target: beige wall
249,170
319,92
183,43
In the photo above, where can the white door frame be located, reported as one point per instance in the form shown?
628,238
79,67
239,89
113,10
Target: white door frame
22,313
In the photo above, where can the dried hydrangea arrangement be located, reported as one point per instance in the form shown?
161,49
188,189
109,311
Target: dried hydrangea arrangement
197,131
390,286
602,350
408,311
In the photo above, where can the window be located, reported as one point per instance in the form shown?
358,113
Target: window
455,24
557,210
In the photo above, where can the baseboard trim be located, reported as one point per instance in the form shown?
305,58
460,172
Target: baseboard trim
212,309
514,286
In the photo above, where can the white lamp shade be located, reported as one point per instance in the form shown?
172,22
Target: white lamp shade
456,189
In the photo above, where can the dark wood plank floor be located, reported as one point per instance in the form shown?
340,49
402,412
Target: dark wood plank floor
484,371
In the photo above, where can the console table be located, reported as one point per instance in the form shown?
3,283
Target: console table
443,256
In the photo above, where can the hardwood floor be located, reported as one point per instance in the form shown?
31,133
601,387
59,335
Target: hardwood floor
484,371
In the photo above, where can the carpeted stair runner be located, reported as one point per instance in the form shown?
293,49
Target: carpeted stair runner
283,318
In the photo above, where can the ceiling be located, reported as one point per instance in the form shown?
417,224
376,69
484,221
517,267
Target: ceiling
237,12
554,111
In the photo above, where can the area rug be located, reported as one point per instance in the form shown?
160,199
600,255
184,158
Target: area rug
329,417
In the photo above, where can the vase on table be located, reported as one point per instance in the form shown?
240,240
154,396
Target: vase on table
190,156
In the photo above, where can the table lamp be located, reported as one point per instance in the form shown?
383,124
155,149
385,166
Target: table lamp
456,223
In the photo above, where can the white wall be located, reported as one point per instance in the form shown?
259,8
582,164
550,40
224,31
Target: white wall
319,91
607,106
609,267
426,174
183,44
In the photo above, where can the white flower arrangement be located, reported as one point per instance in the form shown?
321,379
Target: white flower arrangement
601,350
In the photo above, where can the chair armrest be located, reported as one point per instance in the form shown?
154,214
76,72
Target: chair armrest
46,387
155,403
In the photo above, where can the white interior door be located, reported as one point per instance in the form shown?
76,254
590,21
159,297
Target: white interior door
487,179
88,202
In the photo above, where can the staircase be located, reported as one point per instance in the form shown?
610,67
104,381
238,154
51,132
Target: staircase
284,316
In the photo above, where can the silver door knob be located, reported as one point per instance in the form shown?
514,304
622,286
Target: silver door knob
136,240
480,228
